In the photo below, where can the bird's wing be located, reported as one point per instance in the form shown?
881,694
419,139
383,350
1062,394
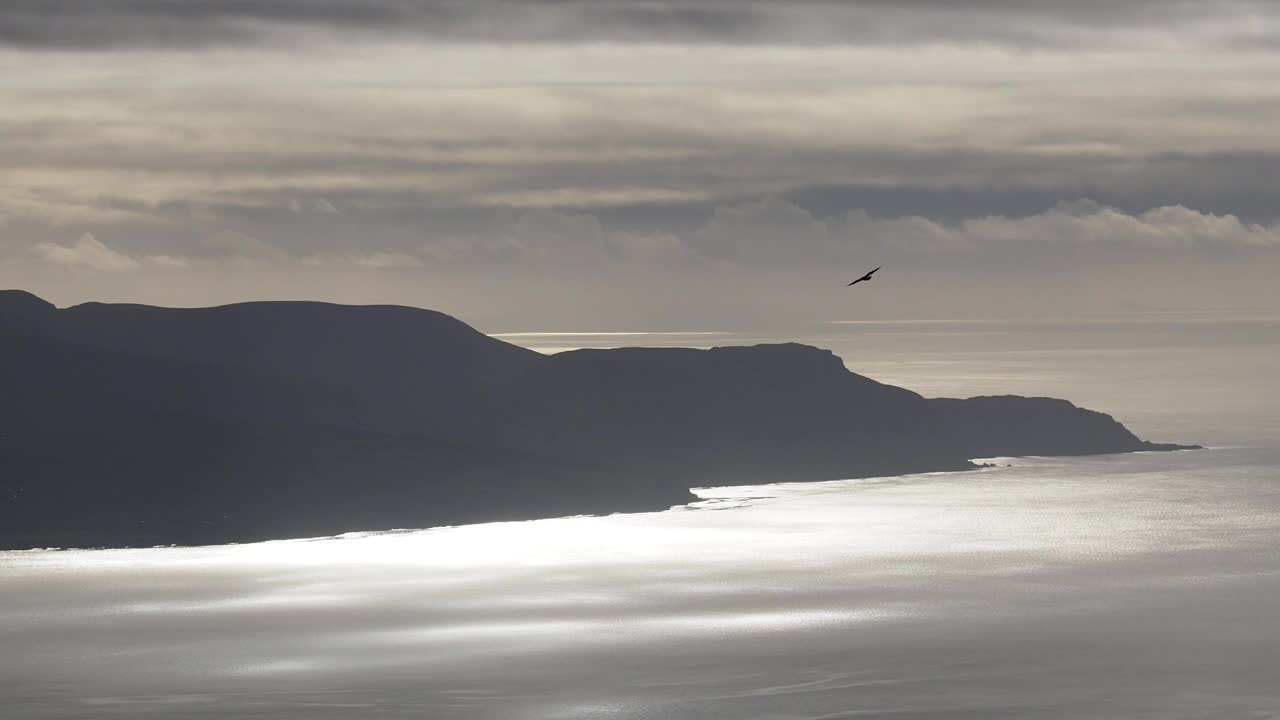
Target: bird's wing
864,277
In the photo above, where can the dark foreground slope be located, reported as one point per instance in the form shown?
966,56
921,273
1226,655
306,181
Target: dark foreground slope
129,425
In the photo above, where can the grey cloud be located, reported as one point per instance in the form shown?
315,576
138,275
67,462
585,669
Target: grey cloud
1081,227
766,233
400,205
775,231
545,236
1081,257
92,254
317,205
552,239
372,261
769,230
396,160
88,252
608,170
93,24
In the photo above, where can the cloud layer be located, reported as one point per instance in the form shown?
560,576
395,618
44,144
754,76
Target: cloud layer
326,148
771,233
392,143
98,24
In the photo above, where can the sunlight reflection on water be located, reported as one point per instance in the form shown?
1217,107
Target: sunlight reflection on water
783,572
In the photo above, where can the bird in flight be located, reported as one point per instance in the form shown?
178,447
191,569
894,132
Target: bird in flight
864,277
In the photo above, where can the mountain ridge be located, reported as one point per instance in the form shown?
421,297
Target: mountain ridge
129,424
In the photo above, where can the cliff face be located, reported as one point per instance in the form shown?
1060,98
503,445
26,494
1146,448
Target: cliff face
127,425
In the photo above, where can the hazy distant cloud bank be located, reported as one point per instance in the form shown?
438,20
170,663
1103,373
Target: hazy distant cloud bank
769,233
97,24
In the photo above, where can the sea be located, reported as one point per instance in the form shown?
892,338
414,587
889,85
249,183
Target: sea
1113,587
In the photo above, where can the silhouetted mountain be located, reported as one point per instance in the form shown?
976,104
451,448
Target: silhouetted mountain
128,425
405,364
727,414
20,310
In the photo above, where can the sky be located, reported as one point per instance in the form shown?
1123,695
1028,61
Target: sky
565,164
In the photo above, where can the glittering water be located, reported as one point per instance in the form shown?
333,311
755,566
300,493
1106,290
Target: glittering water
1137,586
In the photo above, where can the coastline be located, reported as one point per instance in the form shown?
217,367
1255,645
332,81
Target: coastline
662,499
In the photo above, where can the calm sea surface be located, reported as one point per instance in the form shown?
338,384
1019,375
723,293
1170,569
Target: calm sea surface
1137,586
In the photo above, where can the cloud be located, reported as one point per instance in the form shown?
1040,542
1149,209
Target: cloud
150,23
768,230
907,235
770,233
661,248
1077,227
775,231
91,253
620,129
87,252
549,235
372,261
532,237
298,206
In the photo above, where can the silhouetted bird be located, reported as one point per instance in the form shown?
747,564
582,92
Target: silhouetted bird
864,277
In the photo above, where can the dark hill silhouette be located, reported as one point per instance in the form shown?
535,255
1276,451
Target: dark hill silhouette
52,383
728,414
405,364
19,310
132,425
753,414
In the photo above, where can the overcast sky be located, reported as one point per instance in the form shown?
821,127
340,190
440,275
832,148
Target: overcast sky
573,163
